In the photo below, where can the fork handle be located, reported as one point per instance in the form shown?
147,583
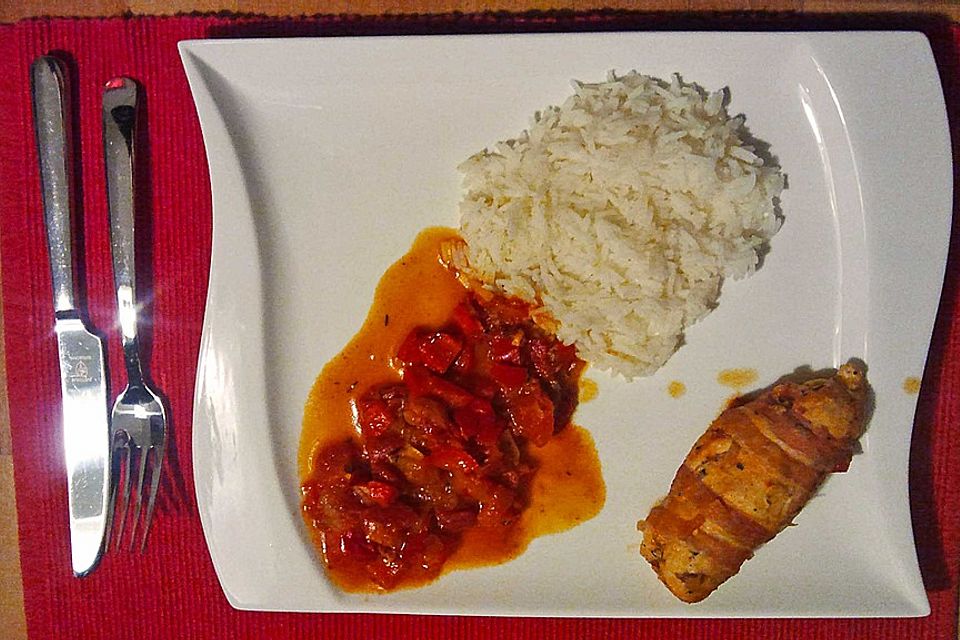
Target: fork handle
48,90
119,139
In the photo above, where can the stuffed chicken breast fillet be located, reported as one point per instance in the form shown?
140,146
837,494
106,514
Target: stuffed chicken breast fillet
749,475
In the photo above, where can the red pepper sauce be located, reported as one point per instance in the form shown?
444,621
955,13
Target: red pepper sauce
440,437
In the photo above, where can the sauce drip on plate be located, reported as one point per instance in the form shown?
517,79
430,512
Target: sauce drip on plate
438,438
737,378
911,385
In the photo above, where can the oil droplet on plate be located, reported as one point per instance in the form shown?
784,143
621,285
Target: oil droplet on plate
588,390
737,378
676,388
911,385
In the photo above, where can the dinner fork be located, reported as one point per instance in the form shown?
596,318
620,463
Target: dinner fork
138,421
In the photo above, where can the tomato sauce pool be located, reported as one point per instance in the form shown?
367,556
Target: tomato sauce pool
558,485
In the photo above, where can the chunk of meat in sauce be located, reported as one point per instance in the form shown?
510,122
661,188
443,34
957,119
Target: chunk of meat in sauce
445,450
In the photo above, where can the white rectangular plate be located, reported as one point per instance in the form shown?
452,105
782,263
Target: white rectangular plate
328,155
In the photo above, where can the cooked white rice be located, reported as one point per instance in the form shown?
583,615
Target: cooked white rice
619,214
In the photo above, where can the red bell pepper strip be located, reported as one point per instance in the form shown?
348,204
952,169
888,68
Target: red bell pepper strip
375,416
439,350
505,347
531,413
465,319
508,376
423,383
452,459
378,492
475,418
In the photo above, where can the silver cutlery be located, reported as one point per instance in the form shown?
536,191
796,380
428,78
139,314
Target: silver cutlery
138,421
82,383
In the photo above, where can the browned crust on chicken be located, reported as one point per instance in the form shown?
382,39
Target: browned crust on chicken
748,477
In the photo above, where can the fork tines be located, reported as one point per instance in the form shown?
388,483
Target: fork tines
148,461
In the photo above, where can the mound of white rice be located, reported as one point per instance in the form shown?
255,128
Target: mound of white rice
619,214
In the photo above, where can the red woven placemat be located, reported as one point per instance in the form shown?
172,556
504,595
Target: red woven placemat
172,592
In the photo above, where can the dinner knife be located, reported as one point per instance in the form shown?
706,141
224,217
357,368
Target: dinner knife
86,438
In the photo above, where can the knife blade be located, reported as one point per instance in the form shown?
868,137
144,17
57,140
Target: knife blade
86,436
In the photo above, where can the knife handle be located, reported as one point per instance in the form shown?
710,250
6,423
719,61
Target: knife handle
50,109
119,136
